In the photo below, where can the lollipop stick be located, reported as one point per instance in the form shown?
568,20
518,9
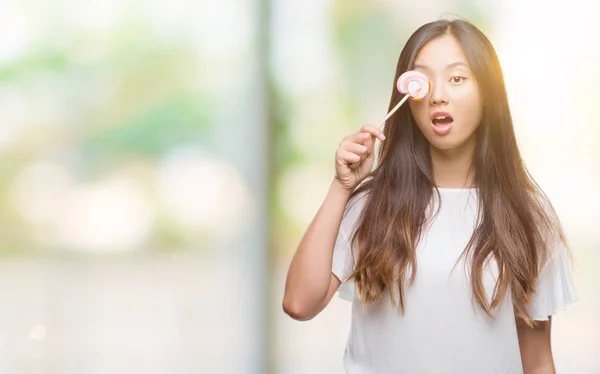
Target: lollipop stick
394,110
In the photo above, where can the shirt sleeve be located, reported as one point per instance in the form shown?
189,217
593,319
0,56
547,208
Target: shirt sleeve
343,262
342,267
555,289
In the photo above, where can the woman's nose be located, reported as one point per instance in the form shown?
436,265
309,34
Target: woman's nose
438,93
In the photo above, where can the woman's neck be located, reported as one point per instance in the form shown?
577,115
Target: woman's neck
453,168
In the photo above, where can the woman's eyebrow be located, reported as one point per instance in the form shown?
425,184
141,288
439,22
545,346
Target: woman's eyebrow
452,65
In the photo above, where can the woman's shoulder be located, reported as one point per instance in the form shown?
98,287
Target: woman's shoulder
353,211
357,202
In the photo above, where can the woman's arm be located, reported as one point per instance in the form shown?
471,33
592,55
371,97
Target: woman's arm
536,351
310,284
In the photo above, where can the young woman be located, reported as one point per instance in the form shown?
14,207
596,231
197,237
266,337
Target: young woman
452,256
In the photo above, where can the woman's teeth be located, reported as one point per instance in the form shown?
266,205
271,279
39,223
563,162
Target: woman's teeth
442,120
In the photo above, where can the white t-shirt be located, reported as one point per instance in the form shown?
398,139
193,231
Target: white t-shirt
443,329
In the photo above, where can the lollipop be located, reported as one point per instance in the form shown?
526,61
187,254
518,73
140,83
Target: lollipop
412,83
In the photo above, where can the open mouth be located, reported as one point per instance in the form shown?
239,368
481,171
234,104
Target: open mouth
442,122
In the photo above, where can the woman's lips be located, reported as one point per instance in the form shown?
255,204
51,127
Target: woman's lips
442,122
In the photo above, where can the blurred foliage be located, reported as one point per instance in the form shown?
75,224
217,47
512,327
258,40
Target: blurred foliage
128,96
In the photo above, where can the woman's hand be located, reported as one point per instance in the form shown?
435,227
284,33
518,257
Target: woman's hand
355,156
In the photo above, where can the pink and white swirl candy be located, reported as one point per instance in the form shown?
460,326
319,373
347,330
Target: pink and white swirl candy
413,83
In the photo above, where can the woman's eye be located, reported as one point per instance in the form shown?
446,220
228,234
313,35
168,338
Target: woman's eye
458,79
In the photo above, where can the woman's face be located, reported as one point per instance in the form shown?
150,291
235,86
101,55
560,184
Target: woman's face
450,114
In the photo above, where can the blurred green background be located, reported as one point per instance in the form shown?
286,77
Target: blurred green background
161,160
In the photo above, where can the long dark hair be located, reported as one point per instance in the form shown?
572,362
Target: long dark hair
515,216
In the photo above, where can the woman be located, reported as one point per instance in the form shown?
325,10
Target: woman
452,256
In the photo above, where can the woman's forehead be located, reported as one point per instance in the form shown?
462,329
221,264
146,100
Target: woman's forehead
441,54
